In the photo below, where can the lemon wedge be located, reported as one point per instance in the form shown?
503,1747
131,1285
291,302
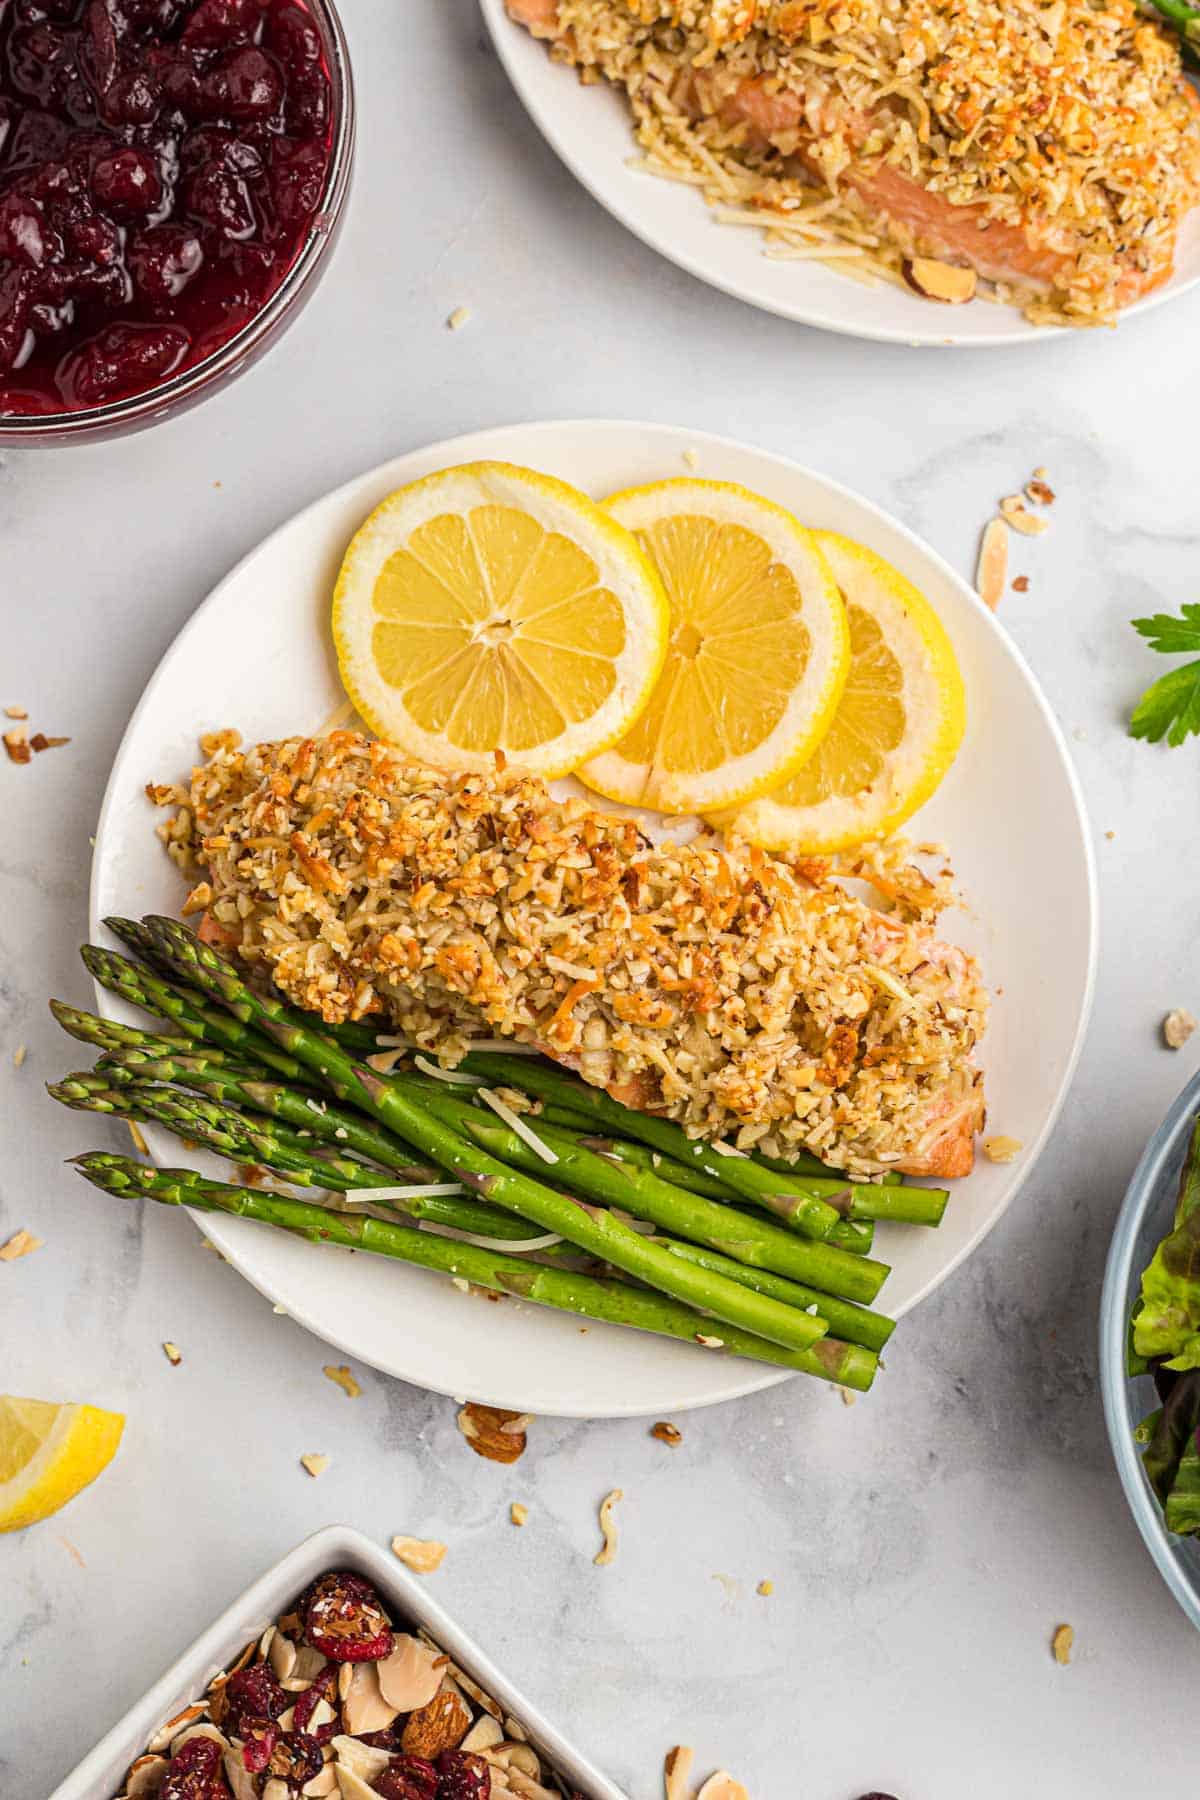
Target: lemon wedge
897,728
48,1454
490,608
758,651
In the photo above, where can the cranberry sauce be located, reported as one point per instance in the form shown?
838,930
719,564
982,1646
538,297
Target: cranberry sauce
160,161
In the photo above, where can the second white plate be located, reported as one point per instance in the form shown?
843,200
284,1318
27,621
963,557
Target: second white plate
591,131
257,656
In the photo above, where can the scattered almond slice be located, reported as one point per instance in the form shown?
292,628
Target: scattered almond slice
173,1354
484,1734
667,1433
340,1375
493,1432
15,712
1038,491
316,1465
766,1589
992,569
849,1397
458,318
139,1142
19,1055
17,745
364,1708
1002,1149
1177,1028
722,1786
21,1243
1014,514
421,1555
518,1513
1062,1643
608,1527
411,1675
677,1771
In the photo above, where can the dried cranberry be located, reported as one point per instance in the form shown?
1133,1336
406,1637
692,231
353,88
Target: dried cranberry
295,1759
259,1738
462,1776
188,1784
254,1694
195,1772
344,1620
121,359
201,1755
390,1739
323,1688
407,1778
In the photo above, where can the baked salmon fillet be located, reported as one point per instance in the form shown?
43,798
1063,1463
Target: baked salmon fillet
751,998
1049,151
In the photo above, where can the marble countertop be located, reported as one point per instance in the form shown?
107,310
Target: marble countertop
923,1545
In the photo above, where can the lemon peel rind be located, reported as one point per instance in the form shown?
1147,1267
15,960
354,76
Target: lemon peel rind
809,719
552,503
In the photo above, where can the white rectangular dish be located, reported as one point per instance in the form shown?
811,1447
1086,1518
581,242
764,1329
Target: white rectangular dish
100,1775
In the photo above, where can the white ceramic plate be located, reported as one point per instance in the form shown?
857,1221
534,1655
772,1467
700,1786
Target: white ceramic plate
257,656
590,130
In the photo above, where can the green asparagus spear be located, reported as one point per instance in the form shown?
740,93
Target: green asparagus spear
850,1365
647,1196
856,1324
590,1228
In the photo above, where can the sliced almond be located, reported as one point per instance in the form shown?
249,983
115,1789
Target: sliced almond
21,1243
527,1787
1062,1643
1014,513
364,1707
276,1790
524,1757
939,280
518,1512
484,1734
677,1771
307,1666
145,1777
991,571
352,1786
173,1727
410,1676
340,1375
1002,1149
322,1784
442,1725
722,1786
422,1555
239,1777
363,1760
314,1464
282,1656
608,1527
494,1432
1177,1028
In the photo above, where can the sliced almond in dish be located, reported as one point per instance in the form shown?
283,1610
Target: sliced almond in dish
484,1734
352,1786
940,281
442,1725
411,1676
322,1784
364,1707
239,1777
145,1776
173,1727
282,1656
363,1760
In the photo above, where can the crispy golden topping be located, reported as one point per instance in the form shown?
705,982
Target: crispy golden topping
733,990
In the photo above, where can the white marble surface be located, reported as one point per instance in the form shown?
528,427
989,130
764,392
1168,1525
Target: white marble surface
924,1545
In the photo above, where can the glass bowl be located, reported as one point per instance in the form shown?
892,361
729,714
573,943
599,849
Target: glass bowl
133,413
1144,1220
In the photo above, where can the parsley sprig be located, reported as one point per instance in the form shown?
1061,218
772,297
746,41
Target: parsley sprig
1171,707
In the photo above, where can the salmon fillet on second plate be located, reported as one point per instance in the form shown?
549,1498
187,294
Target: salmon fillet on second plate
747,996
1049,151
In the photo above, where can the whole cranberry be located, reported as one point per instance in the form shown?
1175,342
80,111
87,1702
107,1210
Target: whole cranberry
22,231
309,103
254,1694
133,99
100,44
462,1776
163,261
297,181
37,57
128,181
345,1621
246,84
200,1755
221,200
407,1778
15,298
323,1688
215,24
295,1759
121,359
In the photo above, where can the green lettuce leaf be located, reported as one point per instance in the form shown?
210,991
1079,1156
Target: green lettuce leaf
1172,1455
1167,1323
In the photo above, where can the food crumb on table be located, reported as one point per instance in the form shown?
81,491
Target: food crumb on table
666,1433
19,1055
677,1771
518,1513
173,1353
765,1589
458,318
314,1464
607,1554
21,1243
1177,1028
341,1377
991,570
1002,1149
1062,1643
422,1555
1020,584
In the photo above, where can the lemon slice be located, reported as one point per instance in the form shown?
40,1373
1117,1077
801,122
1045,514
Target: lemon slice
897,728
758,654
49,1453
492,608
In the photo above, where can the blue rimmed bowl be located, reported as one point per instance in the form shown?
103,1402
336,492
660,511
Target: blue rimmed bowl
1144,1220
